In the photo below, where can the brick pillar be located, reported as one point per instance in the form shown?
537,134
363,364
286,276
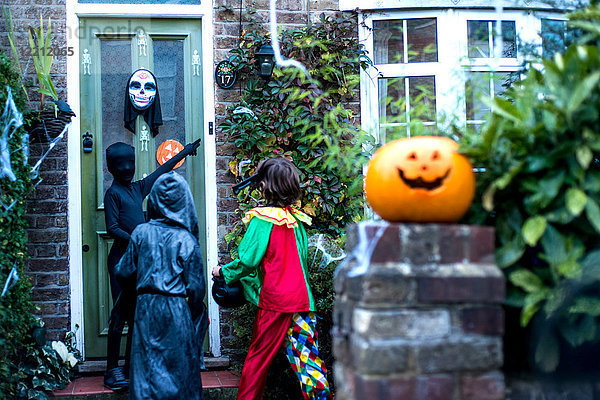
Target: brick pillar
418,314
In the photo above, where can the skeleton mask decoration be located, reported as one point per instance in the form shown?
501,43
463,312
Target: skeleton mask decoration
142,89
142,97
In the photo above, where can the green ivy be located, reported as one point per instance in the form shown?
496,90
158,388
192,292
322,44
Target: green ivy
46,366
307,120
541,190
15,307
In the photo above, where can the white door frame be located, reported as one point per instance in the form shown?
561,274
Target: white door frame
75,11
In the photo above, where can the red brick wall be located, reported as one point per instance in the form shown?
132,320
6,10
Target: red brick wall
47,205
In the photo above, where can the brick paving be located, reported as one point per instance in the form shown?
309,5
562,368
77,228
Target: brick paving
93,385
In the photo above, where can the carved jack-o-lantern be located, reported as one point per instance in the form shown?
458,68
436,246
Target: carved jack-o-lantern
420,179
167,150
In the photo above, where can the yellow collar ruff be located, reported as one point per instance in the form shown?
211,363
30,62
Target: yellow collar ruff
278,216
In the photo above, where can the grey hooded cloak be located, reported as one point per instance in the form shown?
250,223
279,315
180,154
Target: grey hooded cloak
164,264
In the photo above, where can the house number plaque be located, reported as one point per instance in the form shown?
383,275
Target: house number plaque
225,74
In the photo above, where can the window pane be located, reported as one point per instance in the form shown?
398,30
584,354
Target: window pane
422,40
478,33
477,88
392,100
388,41
387,133
421,90
169,70
509,39
115,62
401,114
502,81
553,36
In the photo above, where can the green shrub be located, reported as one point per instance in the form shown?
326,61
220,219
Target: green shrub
46,366
15,307
29,367
541,191
308,122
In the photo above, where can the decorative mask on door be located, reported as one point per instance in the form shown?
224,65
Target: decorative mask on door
142,97
142,89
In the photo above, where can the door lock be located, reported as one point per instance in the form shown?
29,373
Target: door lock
88,143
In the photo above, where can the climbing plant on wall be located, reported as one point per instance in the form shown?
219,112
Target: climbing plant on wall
15,306
308,121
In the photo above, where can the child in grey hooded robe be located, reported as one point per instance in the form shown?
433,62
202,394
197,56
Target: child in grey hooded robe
164,263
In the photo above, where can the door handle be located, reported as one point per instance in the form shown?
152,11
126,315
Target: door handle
88,143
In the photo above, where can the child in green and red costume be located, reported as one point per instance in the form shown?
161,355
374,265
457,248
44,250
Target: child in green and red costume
273,270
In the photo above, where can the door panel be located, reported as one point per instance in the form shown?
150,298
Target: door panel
113,47
115,62
168,68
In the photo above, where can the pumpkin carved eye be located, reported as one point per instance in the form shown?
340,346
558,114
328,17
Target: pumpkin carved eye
435,155
412,156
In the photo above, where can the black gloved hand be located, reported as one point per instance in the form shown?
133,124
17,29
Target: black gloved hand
190,148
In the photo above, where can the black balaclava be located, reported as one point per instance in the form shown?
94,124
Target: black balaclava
120,160
152,114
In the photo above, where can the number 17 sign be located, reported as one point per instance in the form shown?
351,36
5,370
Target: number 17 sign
225,74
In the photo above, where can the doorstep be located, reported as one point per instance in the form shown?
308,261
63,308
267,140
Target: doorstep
94,366
215,384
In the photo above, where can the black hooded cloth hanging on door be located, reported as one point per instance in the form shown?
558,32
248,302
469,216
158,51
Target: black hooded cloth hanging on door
141,97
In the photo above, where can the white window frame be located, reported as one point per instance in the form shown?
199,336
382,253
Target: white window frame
450,71
369,78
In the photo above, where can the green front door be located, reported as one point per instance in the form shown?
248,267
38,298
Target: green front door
111,49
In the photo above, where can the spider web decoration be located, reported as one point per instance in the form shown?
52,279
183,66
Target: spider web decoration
10,121
35,171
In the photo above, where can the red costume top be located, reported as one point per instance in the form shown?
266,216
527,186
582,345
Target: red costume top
272,262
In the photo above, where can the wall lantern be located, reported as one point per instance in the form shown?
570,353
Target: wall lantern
266,60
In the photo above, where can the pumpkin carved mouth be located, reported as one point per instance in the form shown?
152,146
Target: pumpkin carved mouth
420,183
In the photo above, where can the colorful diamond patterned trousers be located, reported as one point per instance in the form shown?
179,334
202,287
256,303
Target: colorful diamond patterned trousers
298,331
301,348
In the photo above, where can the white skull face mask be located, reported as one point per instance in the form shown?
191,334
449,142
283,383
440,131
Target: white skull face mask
142,89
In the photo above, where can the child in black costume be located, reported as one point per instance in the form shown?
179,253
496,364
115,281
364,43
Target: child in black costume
164,262
123,212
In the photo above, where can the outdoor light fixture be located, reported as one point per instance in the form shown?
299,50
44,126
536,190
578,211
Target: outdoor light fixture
266,60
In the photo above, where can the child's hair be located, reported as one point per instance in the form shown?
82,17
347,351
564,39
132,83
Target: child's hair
280,181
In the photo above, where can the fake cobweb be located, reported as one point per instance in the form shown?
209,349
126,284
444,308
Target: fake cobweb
10,121
323,251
